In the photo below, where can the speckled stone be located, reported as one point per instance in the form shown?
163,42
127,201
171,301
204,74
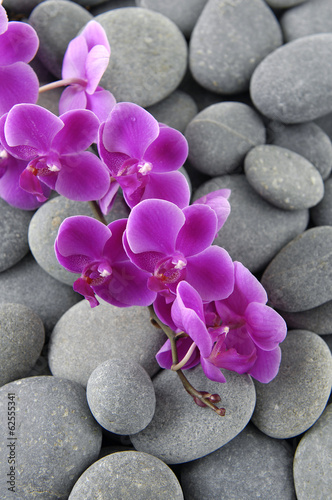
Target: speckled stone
57,437
293,83
252,465
318,319
127,475
312,16
300,275
321,214
176,111
229,40
296,397
149,55
255,230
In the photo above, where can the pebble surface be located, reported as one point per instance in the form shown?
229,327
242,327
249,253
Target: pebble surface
321,214
312,16
318,319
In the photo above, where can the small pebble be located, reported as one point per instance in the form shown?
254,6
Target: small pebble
318,319
176,111
309,18
321,214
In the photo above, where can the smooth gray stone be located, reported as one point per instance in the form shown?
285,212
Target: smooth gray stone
28,284
20,6
312,16
50,99
325,123
255,230
251,466
312,460
108,332
321,214
44,226
306,139
56,437
229,40
127,475
110,386
14,225
221,135
300,275
111,4
296,397
149,55
57,22
22,337
293,84
318,319
180,430
176,111
283,4
283,178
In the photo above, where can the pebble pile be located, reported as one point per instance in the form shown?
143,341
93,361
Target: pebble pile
249,84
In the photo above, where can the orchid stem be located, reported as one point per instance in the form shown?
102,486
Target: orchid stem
97,213
59,83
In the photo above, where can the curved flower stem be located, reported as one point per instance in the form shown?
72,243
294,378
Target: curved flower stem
60,83
97,212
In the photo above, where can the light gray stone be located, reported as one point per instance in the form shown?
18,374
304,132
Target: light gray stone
309,18
176,111
318,319
321,214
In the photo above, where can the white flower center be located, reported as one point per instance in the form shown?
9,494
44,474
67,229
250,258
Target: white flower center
144,167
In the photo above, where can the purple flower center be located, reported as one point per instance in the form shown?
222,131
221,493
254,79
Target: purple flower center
4,158
44,165
167,274
96,273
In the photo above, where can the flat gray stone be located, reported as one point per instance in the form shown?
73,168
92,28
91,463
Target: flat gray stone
180,430
300,275
229,40
221,135
149,55
283,178
255,230
318,319
108,332
312,16
321,214
127,475
55,437
251,466
296,397
293,83
176,111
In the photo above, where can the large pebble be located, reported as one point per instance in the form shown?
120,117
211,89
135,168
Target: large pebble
228,42
177,417
312,16
127,475
318,319
283,178
220,136
176,111
85,337
293,84
321,214
297,396
252,465
300,275
149,55
255,230
55,438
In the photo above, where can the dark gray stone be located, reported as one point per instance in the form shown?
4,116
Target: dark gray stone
127,475
251,466
321,214
318,319
149,55
110,5
22,337
50,99
176,111
229,40
283,4
20,6
110,387
325,123
56,437
221,135
180,430
293,84
255,230
296,397
312,16
283,178
300,275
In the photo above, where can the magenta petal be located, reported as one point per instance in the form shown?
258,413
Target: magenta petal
198,231
212,372
94,34
168,151
101,103
170,186
79,132
18,83
265,326
73,97
32,185
267,365
106,202
81,286
3,20
113,248
232,360
18,44
96,64
217,200
73,65
164,355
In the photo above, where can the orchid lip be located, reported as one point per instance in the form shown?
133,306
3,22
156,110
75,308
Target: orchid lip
144,167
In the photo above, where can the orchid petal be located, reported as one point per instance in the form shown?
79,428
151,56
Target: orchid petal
106,202
81,286
73,97
18,43
101,103
212,372
73,65
30,183
230,359
113,248
18,83
265,326
217,200
79,132
267,365
170,186
94,34
168,151
164,355
198,231
163,311
96,63
3,20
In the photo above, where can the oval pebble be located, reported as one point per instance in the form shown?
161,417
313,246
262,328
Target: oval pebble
255,230
283,178
177,416
56,437
300,275
220,136
293,83
296,397
127,475
321,214
252,465
313,16
318,319
176,111
149,55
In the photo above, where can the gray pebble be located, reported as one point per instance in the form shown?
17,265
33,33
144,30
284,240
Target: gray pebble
297,396
108,332
309,18
283,4
255,230
22,338
176,111
306,139
180,430
318,319
110,5
20,6
283,178
229,40
149,55
252,465
321,214
50,99
312,460
127,475
121,396
293,84
56,437
325,123
300,275
220,136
